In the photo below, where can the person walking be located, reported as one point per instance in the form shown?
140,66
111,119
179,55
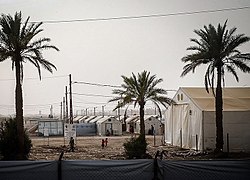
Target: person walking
152,130
103,143
106,142
72,144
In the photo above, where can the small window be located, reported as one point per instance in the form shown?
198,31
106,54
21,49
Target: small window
178,97
181,97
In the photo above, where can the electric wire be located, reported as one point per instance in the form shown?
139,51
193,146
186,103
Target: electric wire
93,95
143,16
95,84
33,78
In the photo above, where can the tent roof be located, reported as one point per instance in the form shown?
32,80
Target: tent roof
105,118
89,118
146,117
131,118
234,98
95,119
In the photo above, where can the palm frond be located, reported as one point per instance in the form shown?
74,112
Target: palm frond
217,48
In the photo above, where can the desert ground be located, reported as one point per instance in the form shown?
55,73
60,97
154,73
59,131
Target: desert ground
89,148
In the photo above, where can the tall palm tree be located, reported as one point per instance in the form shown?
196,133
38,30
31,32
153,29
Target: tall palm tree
18,45
218,49
139,90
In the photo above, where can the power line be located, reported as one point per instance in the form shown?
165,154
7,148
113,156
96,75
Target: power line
143,16
32,78
95,84
30,105
93,95
84,102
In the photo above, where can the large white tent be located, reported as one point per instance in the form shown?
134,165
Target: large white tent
190,123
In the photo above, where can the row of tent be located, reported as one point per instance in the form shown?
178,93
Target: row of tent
94,125
112,125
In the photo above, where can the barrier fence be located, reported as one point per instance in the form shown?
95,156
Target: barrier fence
145,169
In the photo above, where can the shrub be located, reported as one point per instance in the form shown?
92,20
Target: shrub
136,148
9,141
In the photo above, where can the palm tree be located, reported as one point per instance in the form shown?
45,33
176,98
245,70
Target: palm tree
18,45
139,90
218,49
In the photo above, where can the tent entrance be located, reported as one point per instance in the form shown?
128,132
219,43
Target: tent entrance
108,128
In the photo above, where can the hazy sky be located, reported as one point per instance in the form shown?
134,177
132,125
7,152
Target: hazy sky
102,51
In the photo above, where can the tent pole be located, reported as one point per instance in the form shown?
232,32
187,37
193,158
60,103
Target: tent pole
227,143
203,138
172,136
196,142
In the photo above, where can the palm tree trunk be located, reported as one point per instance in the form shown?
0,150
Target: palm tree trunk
19,111
219,113
142,124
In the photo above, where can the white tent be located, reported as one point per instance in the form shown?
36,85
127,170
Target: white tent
130,122
110,124
149,120
190,123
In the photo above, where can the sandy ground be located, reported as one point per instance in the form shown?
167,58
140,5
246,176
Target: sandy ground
89,148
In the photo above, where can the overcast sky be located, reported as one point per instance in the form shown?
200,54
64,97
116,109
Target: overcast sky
102,51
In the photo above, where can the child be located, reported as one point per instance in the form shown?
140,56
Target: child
106,142
102,143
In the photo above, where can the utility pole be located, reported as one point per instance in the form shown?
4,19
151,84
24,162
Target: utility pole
103,110
70,101
86,111
119,111
51,112
63,114
66,104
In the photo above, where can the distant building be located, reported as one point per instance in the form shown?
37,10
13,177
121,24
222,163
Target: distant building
149,120
85,129
53,126
109,125
130,122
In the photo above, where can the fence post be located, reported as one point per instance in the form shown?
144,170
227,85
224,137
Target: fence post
156,166
181,137
196,142
59,169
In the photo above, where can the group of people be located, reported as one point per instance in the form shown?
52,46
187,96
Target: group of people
104,143
72,144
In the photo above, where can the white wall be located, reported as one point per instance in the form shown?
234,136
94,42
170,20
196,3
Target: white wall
116,127
183,123
154,121
236,124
